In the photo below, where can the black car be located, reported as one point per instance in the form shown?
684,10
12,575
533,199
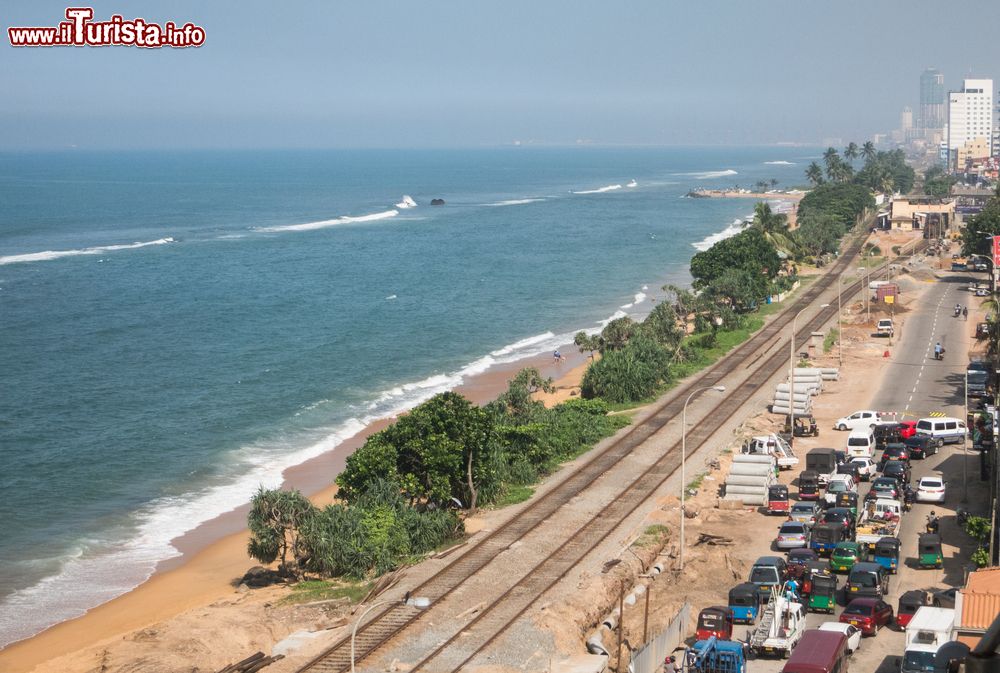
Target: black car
897,469
921,446
840,515
886,433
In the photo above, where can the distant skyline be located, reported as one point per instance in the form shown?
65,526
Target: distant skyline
454,74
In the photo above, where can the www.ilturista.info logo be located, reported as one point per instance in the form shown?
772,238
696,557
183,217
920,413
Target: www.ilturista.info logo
79,30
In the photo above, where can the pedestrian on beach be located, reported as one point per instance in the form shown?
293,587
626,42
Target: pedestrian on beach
557,356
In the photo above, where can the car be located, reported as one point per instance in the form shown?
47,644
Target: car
859,420
866,468
868,614
839,483
898,470
982,331
921,446
907,429
768,572
840,515
845,555
884,487
804,512
850,631
944,598
978,365
802,557
884,327
895,451
792,535
982,291
930,489
849,469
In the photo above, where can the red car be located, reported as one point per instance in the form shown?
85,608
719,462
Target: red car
907,429
868,614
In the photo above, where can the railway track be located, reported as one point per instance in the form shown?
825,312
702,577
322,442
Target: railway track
493,620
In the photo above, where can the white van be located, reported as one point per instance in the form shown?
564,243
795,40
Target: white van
945,430
839,483
861,443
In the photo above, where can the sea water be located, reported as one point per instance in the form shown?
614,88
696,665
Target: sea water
178,328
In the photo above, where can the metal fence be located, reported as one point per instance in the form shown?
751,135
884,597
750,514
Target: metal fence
650,658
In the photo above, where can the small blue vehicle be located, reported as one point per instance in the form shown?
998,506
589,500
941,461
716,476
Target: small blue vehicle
744,603
887,553
715,656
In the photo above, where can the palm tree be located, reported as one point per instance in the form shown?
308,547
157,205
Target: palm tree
868,151
814,173
761,186
885,182
851,151
844,171
833,167
774,183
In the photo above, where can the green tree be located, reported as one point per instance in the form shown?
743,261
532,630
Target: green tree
517,400
662,325
275,520
832,161
981,225
851,151
739,288
868,151
774,183
587,343
814,174
629,374
819,234
748,250
768,220
617,333
376,459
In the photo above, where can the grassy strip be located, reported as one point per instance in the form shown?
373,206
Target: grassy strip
652,536
309,591
513,496
830,340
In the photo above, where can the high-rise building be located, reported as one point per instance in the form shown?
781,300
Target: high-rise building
931,113
970,118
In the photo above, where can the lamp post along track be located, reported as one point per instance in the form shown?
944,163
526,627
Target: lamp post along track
395,617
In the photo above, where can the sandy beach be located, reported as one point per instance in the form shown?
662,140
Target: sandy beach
214,555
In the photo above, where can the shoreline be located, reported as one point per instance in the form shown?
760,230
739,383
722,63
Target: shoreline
213,555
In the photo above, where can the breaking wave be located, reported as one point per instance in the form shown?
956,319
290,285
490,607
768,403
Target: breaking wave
323,224
780,163
513,202
704,244
708,175
48,255
599,190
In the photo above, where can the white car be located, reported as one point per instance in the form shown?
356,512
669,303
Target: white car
852,632
859,420
867,467
839,483
930,489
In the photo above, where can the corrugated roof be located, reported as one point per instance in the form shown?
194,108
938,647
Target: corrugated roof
981,598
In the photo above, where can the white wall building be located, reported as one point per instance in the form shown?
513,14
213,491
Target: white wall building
970,113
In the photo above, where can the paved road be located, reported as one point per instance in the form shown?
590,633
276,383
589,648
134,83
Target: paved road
917,385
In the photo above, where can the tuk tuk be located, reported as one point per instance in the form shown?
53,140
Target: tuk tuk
887,553
823,594
825,536
805,426
886,433
715,621
777,499
849,500
813,568
909,603
809,485
845,555
744,603
929,551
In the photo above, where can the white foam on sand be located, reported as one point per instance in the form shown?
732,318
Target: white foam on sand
704,244
323,224
48,255
600,190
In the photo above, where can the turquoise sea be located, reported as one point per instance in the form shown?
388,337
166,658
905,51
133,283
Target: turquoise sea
177,328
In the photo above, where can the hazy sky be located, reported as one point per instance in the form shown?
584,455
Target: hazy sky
467,73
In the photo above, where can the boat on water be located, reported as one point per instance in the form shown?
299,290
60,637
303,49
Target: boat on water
633,183
407,202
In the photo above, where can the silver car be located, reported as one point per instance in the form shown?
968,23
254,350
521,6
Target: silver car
804,512
792,535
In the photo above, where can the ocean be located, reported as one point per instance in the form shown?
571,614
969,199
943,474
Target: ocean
179,327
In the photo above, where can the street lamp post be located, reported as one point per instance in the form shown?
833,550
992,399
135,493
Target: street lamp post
791,370
720,389
419,602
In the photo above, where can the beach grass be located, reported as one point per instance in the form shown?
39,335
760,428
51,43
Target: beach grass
309,591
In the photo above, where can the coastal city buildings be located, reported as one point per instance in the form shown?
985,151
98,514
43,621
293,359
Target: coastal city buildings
970,124
931,113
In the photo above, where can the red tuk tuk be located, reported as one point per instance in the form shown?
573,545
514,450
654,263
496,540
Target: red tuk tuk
715,621
777,499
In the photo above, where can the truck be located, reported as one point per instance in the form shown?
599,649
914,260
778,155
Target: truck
880,519
715,656
823,462
929,629
977,377
775,446
780,628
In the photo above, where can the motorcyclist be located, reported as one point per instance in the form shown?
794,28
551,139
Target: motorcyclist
958,309
938,351
932,522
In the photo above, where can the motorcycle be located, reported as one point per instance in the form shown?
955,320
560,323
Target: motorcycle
909,496
932,524
939,355
961,516
958,311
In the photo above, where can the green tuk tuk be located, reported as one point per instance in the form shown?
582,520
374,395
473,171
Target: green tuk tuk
929,551
823,593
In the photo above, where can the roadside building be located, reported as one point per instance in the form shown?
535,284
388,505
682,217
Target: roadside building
929,214
977,605
970,119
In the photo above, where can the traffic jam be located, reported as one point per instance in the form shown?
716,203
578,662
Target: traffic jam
836,552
